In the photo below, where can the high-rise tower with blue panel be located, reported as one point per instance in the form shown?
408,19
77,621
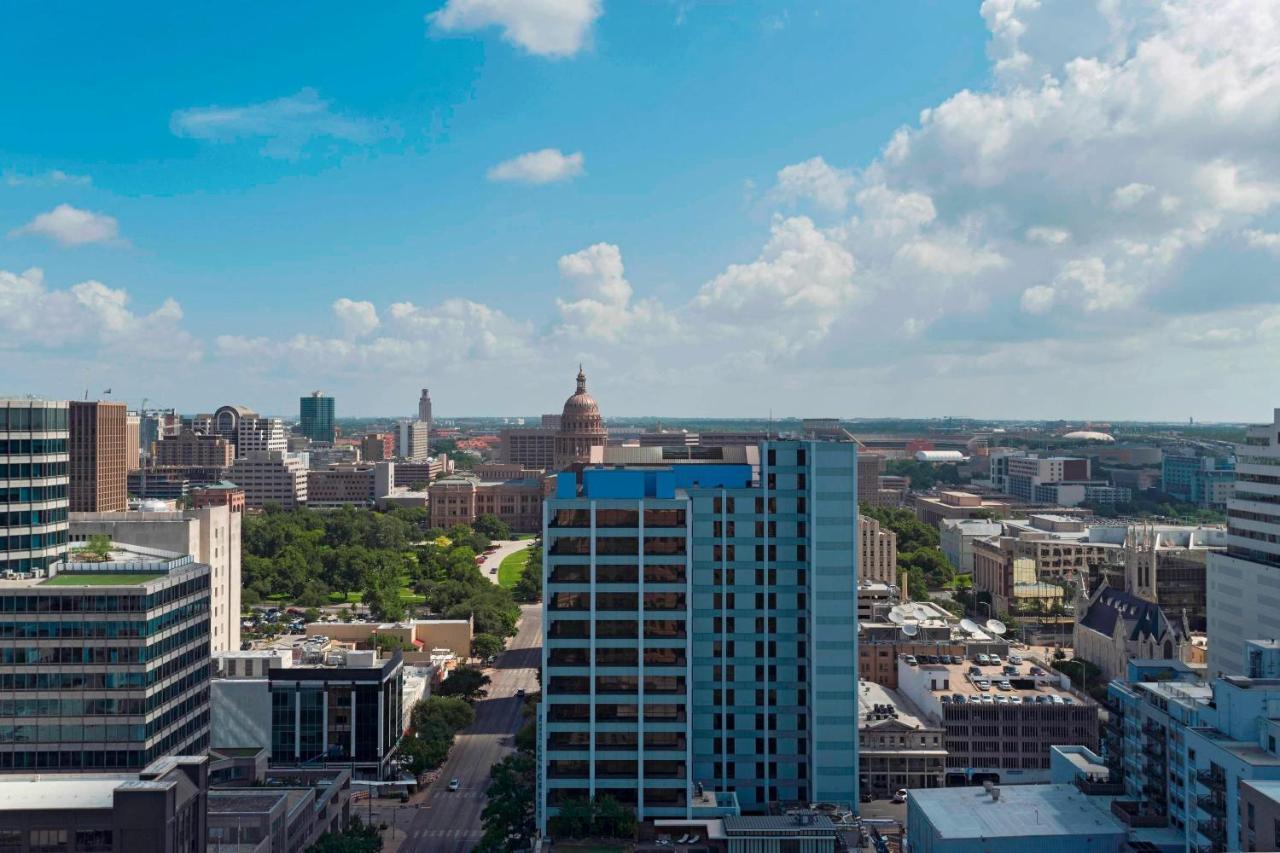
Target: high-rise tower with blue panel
700,630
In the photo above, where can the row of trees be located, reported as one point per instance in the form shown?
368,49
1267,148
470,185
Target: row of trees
434,722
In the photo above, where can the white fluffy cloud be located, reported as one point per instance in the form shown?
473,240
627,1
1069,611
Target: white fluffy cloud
85,316
816,180
72,226
552,28
600,306
357,318
546,166
285,125
789,296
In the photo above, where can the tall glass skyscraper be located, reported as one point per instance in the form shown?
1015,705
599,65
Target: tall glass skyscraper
700,630
33,483
315,415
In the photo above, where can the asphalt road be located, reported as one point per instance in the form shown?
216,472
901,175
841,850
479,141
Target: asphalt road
449,821
490,562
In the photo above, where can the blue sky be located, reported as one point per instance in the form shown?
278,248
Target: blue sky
839,208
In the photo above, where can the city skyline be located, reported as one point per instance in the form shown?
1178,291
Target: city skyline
721,210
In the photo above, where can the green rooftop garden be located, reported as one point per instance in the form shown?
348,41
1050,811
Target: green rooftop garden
101,578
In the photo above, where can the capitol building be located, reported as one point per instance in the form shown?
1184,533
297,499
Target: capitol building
561,440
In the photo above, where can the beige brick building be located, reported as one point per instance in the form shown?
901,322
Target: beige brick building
877,552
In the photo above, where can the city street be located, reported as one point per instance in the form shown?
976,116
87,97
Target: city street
446,821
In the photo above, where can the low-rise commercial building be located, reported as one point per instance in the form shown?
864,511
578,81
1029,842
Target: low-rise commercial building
899,746
285,811
417,637
932,509
1013,819
160,809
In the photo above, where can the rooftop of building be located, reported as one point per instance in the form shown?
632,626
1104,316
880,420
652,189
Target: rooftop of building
877,702
60,792
236,802
1019,811
959,682
746,454
1269,788
123,565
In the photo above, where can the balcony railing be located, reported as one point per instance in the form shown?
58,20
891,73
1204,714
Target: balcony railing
1215,830
1212,805
1211,779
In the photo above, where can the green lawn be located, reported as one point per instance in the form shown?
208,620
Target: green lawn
510,569
101,579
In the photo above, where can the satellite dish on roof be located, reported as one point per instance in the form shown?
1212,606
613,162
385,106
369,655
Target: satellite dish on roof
910,629
896,618
970,626
996,627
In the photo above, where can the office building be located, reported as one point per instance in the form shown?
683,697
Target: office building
270,478
877,552
260,435
997,733
285,810
133,441
329,707
209,531
1243,584
581,427
315,417
106,665
378,446
462,498
937,632
933,509
424,407
1025,473
1082,492
160,809
190,448
33,483
350,485
156,425
412,440
529,447
416,475
97,465
869,467
1203,480
956,538
700,630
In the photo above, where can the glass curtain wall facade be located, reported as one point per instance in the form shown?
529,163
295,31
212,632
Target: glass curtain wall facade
96,674
700,628
315,417
33,483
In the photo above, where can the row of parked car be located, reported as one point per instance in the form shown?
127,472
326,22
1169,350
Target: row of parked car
1000,699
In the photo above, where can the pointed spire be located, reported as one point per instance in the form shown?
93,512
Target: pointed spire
582,380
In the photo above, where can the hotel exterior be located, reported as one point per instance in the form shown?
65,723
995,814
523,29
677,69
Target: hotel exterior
700,632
